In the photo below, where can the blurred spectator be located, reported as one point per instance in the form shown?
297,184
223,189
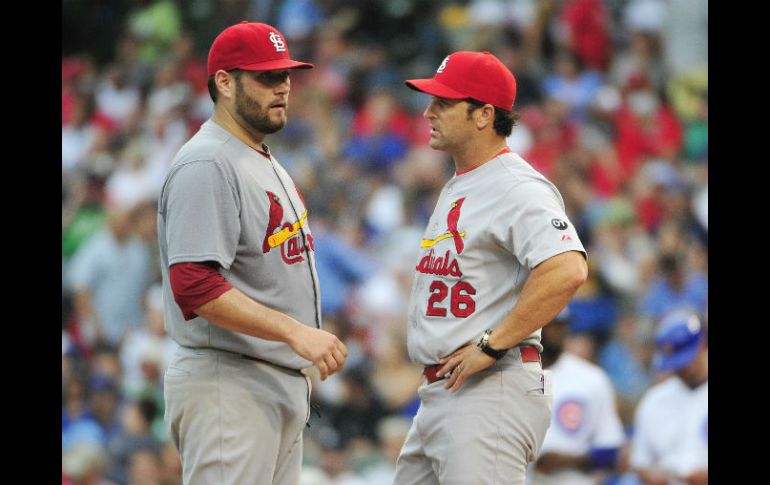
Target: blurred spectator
395,378
553,132
109,276
84,134
135,436
104,402
625,358
155,24
379,133
335,462
640,60
625,253
586,25
170,465
340,264
78,425
670,443
146,351
84,214
586,434
118,100
686,36
298,18
645,128
391,434
674,287
84,464
645,15
593,310
571,84
144,468
362,408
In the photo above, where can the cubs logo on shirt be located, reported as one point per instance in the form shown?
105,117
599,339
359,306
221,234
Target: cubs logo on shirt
570,415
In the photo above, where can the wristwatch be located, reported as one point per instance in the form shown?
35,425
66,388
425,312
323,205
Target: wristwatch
483,344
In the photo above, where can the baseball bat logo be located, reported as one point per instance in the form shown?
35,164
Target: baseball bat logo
278,43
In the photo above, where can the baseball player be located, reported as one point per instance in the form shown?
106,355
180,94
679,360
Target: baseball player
670,442
499,259
586,434
239,278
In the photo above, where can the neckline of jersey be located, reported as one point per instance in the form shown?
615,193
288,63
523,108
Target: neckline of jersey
265,151
504,150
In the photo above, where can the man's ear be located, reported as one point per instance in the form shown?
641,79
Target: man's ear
484,116
225,83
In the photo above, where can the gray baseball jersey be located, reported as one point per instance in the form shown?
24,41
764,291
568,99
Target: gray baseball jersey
490,227
223,201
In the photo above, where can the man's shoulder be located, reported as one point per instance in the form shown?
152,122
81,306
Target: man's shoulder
515,171
667,390
211,143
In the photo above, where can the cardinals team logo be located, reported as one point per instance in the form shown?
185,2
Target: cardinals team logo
442,66
288,237
278,43
451,222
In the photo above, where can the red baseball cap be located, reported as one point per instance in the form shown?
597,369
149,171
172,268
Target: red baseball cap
251,46
466,74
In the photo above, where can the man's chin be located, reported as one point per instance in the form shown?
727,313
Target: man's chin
275,125
435,144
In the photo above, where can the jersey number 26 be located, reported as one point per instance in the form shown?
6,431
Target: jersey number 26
461,304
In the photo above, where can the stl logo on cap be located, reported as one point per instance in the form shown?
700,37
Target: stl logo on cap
278,43
442,66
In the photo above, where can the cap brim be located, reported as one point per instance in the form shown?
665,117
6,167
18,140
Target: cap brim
434,88
676,360
276,65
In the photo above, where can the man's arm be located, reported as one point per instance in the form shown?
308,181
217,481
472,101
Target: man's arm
237,312
548,289
596,458
652,477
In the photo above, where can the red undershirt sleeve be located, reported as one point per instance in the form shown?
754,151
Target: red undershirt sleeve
195,284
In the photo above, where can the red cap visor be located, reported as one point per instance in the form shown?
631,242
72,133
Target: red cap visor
434,88
276,64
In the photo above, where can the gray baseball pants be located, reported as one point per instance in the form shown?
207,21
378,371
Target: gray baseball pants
233,420
486,433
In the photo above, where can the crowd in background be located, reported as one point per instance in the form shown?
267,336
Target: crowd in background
613,97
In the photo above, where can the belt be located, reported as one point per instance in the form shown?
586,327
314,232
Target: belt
529,353
255,359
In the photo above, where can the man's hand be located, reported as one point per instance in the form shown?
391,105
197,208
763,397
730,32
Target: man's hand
463,363
320,347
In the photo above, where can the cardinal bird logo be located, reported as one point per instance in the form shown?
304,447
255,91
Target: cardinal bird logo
451,222
288,238
274,220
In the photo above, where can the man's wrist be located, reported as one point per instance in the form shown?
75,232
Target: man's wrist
485,346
